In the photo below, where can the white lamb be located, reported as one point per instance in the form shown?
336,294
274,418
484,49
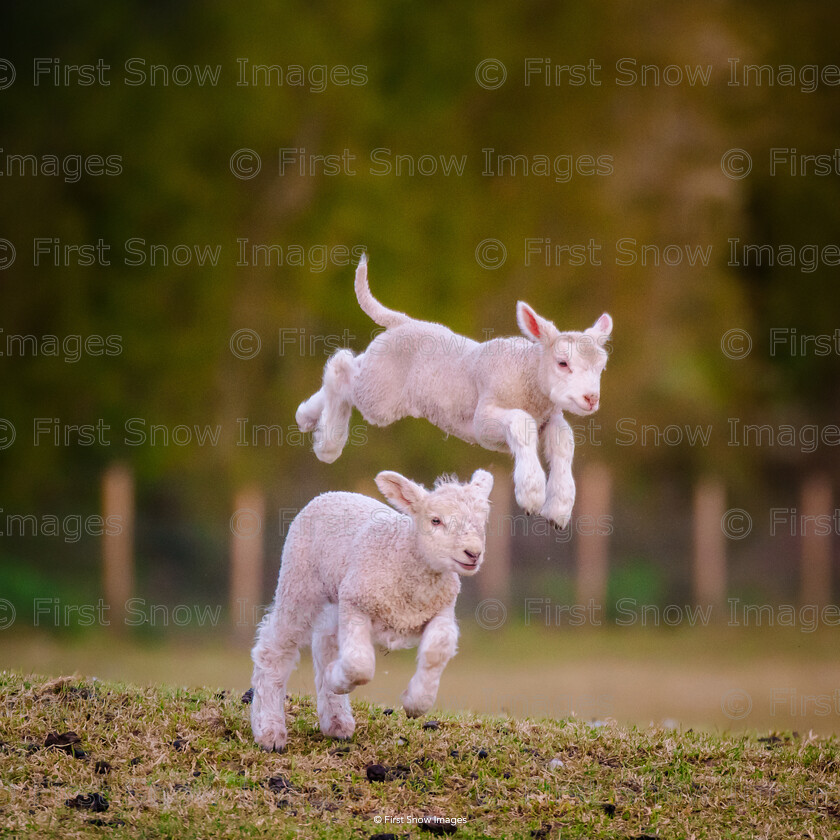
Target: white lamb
356,573
506,394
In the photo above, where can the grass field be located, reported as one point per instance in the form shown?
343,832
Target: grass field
170,762
710,678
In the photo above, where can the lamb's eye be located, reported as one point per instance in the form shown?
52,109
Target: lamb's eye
436,520
563,363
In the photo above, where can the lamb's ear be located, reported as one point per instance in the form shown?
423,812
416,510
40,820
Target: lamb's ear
402,493
533,326
602,327
482,481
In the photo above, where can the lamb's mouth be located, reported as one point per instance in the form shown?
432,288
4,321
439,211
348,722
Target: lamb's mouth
470,567
582,410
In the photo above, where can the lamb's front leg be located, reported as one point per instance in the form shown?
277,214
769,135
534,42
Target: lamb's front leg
497,428
356,660
334,712
437,647
559,445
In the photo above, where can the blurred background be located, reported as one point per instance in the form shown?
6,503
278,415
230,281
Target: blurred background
186,190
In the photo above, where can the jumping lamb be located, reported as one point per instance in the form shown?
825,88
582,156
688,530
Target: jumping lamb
506,394
355,573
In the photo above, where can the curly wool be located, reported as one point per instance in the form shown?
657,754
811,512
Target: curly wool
356,573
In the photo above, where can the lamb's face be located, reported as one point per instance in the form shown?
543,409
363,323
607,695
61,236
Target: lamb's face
572,368
450,521
571,363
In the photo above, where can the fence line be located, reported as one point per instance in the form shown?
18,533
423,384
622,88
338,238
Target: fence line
816,508
814,535
594,498
494,577
247,557
118,544
709,560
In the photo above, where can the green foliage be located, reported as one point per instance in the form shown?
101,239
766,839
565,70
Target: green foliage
638,580
420,97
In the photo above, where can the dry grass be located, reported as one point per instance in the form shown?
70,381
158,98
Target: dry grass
635,676
182,763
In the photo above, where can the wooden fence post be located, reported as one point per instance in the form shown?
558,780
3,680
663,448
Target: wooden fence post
591,521
816,507
246,561
118,543
494,578
709,572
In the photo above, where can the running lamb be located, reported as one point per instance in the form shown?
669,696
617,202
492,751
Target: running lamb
356,573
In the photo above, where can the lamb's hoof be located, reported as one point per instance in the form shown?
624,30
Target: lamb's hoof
531,507
272,740
326,448
276,748
558,514
530,495
340,728
305,422
560,522
416,708
530,504
325,455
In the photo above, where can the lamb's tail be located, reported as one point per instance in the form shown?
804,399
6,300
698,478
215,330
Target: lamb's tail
381,314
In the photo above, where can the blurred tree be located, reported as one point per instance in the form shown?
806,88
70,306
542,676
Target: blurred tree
419,97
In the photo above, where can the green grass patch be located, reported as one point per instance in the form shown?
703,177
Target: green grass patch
181,763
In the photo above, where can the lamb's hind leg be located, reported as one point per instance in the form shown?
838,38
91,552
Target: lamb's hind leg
334,425
334,712
328,411
275,655
309,412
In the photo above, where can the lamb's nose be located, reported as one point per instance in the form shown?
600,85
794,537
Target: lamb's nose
472,555
591,400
